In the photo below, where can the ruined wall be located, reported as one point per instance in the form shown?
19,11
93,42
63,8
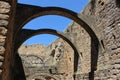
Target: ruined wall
106,17
35,49
63,58
57,57
32,57
103,16
82,41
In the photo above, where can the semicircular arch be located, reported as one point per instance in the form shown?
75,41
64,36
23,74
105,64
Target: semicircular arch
29,33
35,11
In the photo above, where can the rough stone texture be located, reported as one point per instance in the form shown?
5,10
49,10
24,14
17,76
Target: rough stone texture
4,16
3,31
4,10
107,17
2,40
53,58
3,22
83,42
104,18
63,58
37,49
4,7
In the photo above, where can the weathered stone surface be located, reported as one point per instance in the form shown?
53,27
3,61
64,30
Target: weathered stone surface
4,16
0,72
4,7
2,40
36,49
4,10
2,50
1,63
3,22
3,31
4,4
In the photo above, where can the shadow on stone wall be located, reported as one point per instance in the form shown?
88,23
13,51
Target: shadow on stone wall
118,3
76,59
19,71
94,57
92,5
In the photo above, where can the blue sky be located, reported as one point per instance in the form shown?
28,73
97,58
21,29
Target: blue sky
52,21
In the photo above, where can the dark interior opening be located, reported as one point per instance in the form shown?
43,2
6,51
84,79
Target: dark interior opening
118,3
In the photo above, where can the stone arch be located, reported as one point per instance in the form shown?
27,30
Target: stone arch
37,75
36,11
25,34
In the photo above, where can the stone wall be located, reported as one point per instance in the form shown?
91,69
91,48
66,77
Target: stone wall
63,58
33,49
4,16
82,41
57,57
106,16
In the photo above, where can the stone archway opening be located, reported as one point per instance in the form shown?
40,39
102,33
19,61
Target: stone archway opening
42,11
70,58
63,12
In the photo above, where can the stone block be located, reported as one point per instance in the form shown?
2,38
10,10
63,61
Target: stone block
2,40
4,4
4,7
2,50
4,16
3,31
4,10
3,22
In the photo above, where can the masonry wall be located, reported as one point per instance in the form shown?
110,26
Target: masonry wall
65,62
105,21
4,16
57,57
